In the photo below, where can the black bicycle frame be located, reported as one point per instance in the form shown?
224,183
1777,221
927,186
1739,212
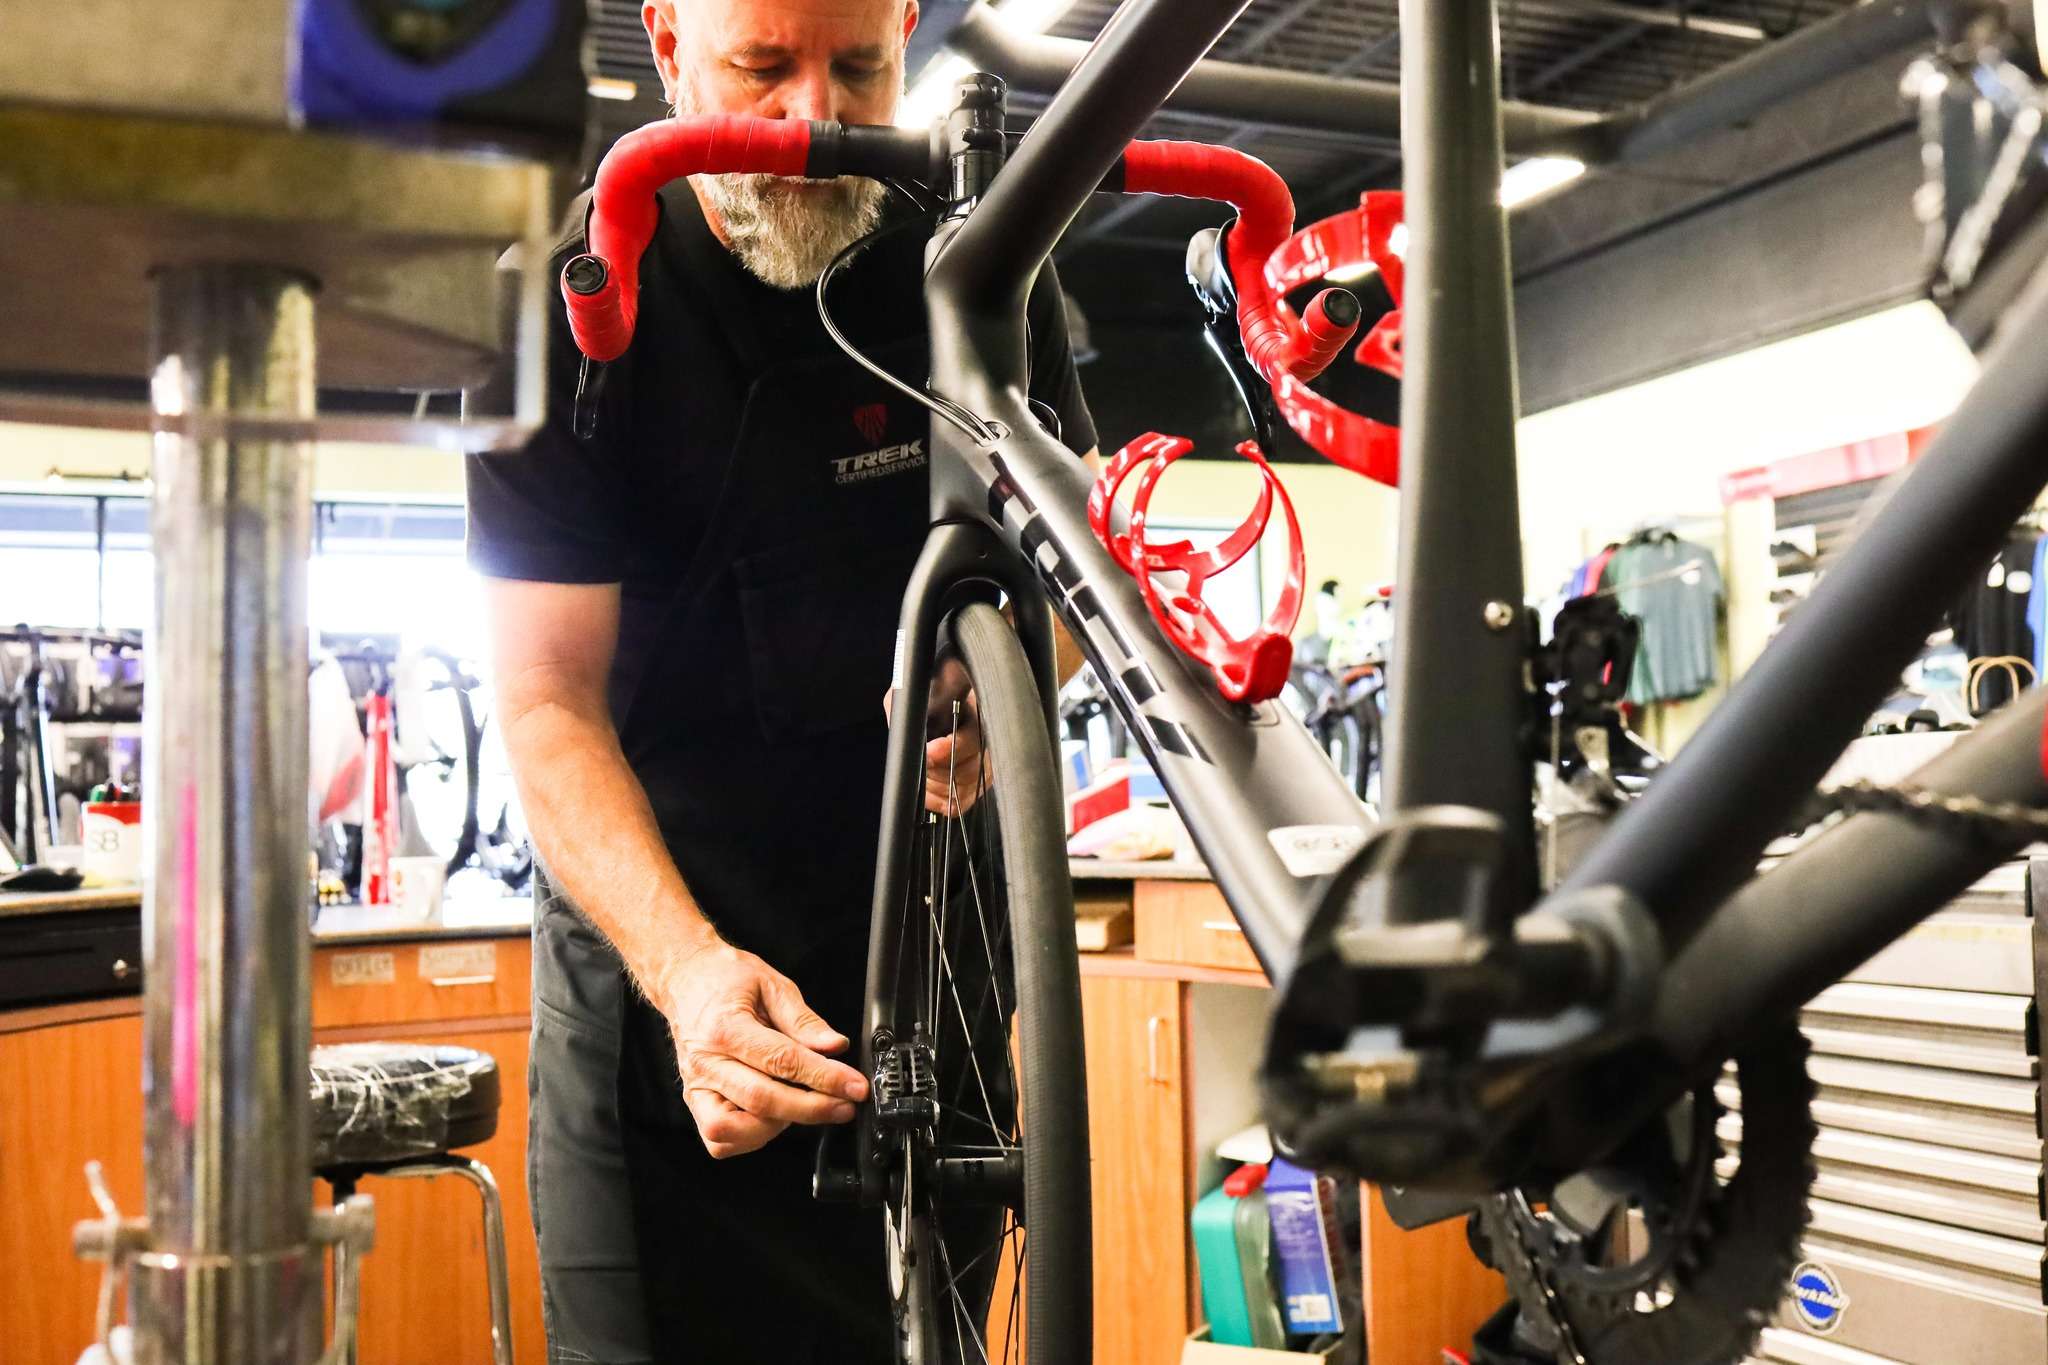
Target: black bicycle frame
1268,812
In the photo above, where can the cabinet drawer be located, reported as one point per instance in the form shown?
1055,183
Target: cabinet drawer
408,983
1188,922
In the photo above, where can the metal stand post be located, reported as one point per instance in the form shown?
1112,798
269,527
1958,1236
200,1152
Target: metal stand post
1454,732
231,1273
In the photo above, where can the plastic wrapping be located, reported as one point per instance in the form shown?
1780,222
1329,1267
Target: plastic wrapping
377,1102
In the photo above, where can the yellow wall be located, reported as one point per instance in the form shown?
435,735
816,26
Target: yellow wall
1348,523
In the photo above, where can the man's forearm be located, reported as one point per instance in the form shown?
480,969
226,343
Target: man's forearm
596,833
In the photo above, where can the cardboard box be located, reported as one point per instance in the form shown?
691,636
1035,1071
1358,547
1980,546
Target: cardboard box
1101,921
1199,1350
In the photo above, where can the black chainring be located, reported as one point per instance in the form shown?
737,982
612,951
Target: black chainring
1720,1254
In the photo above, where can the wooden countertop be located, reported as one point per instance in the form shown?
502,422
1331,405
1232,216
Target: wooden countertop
513,914
504,917
1098,869
86,898
496,918
1125,962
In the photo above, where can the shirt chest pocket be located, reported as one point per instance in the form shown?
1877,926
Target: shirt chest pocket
819,619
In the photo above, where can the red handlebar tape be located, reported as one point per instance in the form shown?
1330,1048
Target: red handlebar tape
1364,234
623,212
1277,342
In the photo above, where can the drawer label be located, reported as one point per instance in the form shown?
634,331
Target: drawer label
1817,1297
363,969
473,963
1314,850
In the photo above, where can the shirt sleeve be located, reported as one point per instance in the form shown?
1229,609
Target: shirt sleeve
554,509
1054,381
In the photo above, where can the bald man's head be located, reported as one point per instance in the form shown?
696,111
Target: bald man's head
809,59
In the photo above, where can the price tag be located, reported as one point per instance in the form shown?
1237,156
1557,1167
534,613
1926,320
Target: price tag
363,969
469,963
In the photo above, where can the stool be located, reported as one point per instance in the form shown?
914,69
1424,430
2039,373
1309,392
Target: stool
396,1110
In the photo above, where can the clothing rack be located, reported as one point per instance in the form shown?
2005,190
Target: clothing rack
1691,566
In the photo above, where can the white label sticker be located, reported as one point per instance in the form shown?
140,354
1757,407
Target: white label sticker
896,667
363,969
472,960
1315,850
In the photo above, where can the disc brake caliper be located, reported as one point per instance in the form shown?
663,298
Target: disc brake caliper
906,1085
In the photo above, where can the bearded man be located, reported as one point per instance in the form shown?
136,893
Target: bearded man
693,613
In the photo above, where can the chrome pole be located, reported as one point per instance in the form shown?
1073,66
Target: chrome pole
230,1273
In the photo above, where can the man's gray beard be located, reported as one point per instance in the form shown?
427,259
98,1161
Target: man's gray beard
785,235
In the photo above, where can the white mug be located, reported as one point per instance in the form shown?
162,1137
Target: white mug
111,832
416,886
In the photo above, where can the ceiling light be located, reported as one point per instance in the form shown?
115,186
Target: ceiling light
1520,184
932,93
1397,242
1539,175
611,88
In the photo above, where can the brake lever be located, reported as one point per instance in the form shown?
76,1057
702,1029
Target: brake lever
1209,277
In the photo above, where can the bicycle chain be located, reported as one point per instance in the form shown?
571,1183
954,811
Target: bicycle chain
1969,816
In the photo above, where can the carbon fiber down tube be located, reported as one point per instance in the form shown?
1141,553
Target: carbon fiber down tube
1267,810
1698,832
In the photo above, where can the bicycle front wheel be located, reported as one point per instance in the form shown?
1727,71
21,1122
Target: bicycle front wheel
982,1093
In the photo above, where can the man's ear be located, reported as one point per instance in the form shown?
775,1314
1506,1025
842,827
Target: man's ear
909,19
658,17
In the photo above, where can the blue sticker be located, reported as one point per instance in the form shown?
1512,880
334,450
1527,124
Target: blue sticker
1817,1297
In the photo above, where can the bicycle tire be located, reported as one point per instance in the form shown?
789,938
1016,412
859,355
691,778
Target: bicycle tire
472,754
1029,938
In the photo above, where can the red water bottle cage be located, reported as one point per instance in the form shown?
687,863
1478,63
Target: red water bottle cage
1267,260
1246,669
1350,239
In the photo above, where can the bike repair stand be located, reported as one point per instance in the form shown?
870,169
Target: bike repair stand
212,239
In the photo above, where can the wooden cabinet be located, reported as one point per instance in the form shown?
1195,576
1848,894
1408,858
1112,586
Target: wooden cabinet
416,984
70,1092
1424,1290
1136,1103
1189,922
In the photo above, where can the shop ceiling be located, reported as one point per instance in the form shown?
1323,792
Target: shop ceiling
1754,169
1598,56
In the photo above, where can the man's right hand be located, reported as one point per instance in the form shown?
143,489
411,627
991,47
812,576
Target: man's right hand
751,1051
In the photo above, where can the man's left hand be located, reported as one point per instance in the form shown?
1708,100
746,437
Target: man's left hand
955,764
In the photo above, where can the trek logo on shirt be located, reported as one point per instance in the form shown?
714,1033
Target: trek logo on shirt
873,464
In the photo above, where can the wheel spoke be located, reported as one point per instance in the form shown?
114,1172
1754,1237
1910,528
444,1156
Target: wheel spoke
961,1312
1015,1239
967,1042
